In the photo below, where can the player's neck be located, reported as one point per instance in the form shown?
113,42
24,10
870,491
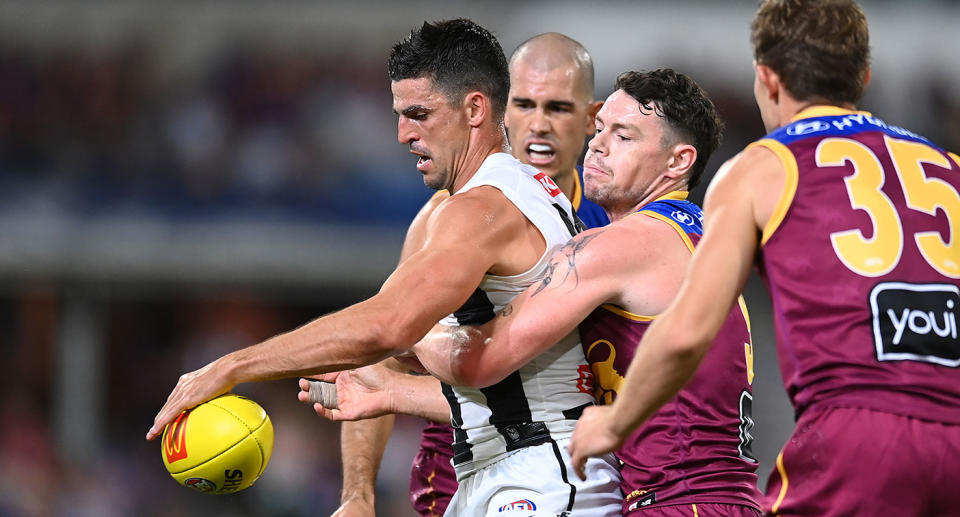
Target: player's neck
480,147
567,181
790,108
655,192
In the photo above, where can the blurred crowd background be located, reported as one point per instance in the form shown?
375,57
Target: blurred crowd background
180,179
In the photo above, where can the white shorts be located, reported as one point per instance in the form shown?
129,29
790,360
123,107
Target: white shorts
539,481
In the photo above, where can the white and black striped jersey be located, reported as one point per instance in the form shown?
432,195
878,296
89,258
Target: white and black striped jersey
542,400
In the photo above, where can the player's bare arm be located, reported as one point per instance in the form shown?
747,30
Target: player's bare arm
678,339
467,236
592,269
360,468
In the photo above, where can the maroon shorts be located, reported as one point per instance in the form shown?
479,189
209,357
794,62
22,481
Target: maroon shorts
697,510
432,480
851,461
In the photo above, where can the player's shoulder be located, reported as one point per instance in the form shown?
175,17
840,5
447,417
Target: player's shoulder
428,208
621,245
654,233
482,210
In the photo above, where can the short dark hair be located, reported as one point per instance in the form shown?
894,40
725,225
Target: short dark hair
819,48
459,56
684,105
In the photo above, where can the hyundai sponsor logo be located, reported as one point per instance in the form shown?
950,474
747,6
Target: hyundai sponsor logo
807,127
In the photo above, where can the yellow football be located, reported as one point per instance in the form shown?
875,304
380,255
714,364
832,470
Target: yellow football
220,446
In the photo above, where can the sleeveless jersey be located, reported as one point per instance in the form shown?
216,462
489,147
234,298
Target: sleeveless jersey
436,439
590,213
861,258
697,447
541,401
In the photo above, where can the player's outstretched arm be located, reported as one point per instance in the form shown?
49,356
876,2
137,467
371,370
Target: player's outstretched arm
432,283
586,272
374,391
676,342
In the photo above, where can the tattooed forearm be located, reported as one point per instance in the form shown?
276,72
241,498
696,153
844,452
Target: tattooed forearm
506,311
568,254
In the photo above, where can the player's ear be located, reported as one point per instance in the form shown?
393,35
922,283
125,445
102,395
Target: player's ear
477,107
592,111
681,160
769,79
866,76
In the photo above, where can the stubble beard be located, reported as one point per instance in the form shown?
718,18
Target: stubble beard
612,199
439,182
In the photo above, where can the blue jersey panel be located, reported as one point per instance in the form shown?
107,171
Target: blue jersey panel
841,125
686,214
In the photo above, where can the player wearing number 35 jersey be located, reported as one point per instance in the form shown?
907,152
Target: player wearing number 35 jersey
853,224
862,264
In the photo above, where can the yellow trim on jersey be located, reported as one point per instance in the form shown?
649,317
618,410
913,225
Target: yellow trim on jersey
625,314
671,222
826,111
695,513
747,347
577,190
678,195
746,315
775,509
790,185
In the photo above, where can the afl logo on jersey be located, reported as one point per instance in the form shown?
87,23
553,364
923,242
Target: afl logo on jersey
548,184
523,504
805,128
683,218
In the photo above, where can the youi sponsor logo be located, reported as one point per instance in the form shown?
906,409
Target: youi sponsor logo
916,322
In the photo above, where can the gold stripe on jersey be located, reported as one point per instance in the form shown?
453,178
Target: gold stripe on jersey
789,186
671,222
577,196
625,314
747,347
826,111
784,482
956,159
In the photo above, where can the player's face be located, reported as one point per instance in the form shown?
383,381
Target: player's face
626,157
432,127
548,117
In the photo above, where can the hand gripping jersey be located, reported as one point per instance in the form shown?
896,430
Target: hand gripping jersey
697,447
541,401
862,257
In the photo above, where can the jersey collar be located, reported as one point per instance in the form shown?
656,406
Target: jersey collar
676,195
826,111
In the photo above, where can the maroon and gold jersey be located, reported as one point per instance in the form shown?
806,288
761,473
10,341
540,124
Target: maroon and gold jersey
432,479
862,257
697,447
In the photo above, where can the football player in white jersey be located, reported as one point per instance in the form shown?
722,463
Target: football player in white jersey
496,232
549,114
